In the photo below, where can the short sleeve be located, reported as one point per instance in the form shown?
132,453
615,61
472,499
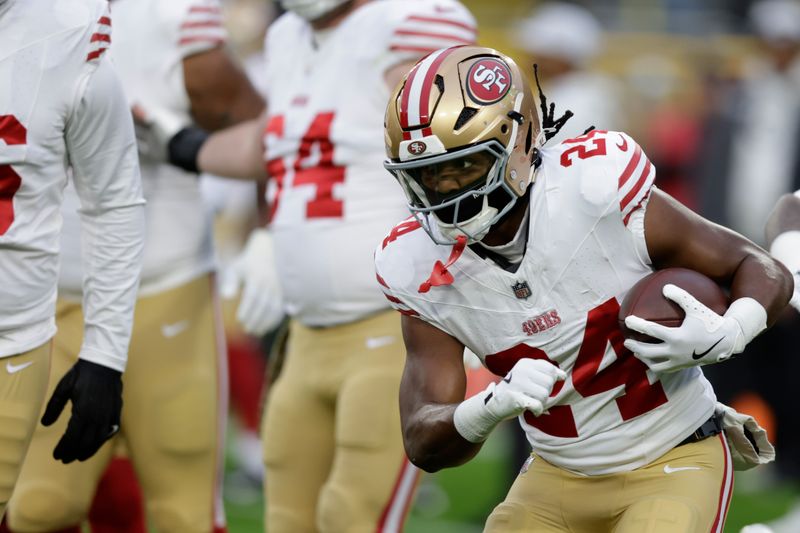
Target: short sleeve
636,176
424,27
201,27
100,37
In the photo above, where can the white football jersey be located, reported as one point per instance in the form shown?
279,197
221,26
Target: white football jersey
331,200
585,250
151,39
61,105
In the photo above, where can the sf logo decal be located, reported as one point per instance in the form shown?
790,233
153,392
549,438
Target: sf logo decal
488,81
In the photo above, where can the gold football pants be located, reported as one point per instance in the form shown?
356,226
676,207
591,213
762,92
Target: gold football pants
333,450
173,416
687,490
23,384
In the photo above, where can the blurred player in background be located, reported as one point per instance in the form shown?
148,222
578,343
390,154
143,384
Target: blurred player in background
783,239
563,39
170,55
525,255
333,452
64,110
749,157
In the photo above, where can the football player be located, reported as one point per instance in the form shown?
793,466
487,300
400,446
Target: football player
523,254
783,237
333,452
169,54
62,109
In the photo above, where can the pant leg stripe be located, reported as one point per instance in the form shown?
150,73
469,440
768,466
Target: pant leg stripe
218,505
726,490
395,512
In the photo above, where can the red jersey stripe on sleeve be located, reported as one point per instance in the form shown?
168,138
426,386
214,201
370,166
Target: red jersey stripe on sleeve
202,28
100,38
95,54
433,35
442,20
201,39
205,9
637,186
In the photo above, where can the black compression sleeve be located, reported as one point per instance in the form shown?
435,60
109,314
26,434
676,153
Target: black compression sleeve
184,147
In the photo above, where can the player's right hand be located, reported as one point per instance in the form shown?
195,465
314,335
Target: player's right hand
261,306
154,128
525,388
96,395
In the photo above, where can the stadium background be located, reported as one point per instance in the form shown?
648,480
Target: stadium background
669,56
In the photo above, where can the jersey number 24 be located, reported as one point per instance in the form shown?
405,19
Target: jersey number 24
638,395
11,133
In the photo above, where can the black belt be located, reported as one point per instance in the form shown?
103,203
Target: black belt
709,428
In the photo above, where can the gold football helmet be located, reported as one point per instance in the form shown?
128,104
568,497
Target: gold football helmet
461,131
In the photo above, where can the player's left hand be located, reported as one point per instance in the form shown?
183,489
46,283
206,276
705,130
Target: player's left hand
703,338
261,306
96,395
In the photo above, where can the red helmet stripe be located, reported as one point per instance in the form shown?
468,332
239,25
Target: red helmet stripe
404,97
415,96
427,84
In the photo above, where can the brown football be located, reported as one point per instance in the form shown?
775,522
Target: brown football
646,300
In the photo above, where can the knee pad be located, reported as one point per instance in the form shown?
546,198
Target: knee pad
169,519
339,511
660,515
44,508
510,517
188,418
285,521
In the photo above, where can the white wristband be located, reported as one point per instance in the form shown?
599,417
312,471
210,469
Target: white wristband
471,418
751,317
786,249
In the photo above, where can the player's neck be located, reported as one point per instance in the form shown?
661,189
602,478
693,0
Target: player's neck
335,17
505,230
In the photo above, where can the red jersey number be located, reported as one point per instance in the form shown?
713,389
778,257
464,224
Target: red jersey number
638,395
586,146
312,165
11,133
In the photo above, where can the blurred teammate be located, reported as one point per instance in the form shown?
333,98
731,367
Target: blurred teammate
333,453
563,39
168,54
62,108
522,254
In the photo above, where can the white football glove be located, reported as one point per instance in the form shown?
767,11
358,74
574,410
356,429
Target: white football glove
154,128
703,338
526,387
261,307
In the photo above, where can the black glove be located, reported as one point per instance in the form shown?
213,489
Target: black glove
96,394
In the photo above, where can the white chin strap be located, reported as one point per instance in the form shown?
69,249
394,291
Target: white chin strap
310,9
473,229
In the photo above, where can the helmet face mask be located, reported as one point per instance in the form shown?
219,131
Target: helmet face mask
460,134
467,209
311,9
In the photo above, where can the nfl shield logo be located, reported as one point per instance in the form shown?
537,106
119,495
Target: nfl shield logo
521,290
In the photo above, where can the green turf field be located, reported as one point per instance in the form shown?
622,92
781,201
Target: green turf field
458,500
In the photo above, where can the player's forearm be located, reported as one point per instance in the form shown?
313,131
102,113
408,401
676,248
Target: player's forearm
113,240
235,152
766,280
431,440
